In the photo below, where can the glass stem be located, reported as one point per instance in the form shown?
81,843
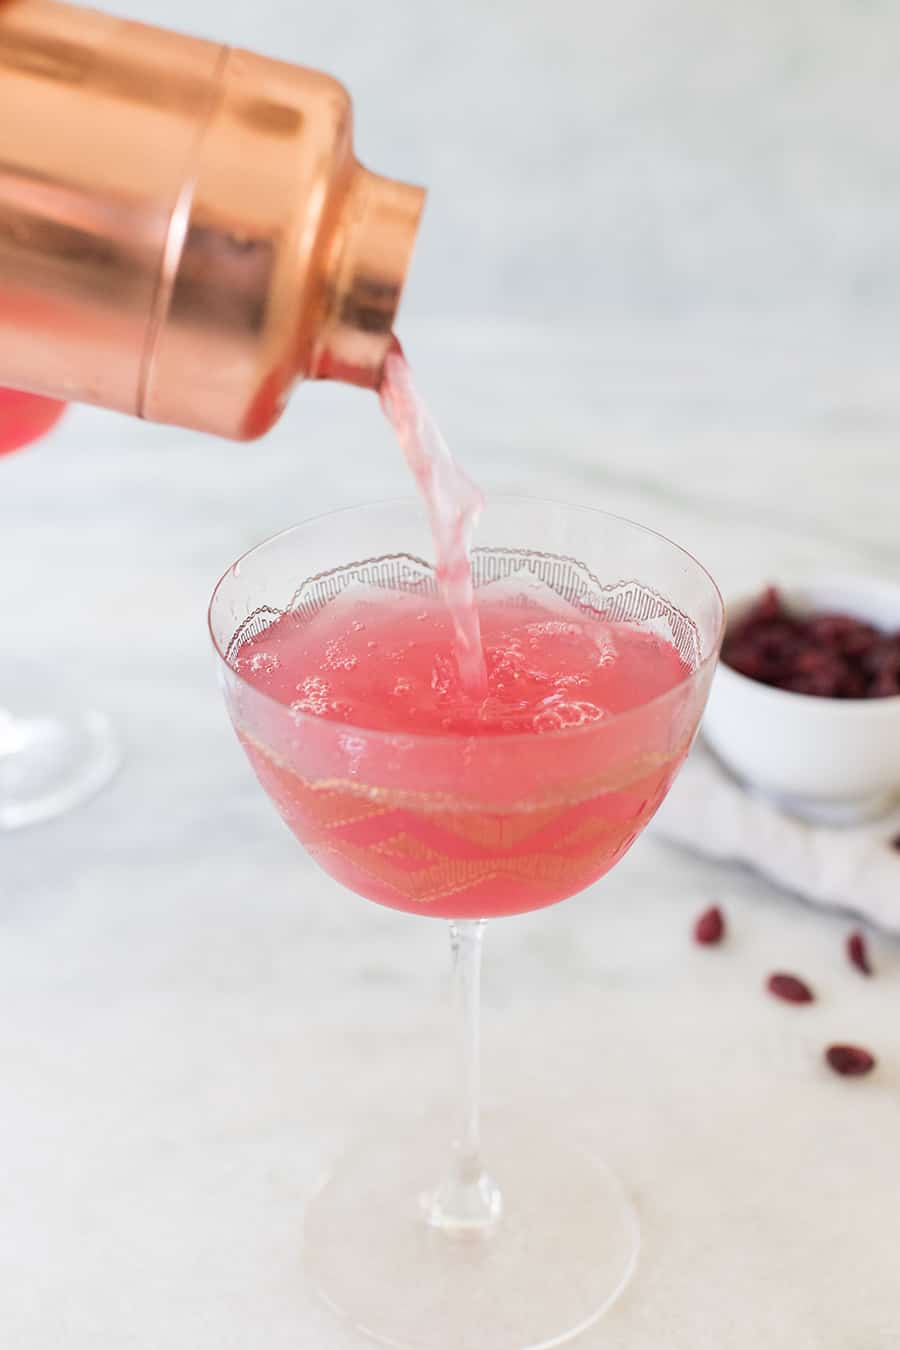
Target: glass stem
12,734
467,1199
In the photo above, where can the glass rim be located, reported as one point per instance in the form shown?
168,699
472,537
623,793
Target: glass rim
505,738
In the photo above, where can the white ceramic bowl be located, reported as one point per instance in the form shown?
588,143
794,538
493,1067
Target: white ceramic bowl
825,759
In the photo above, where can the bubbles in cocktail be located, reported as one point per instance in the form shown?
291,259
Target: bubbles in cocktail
559,713
338,655
263,663
315,697
387,661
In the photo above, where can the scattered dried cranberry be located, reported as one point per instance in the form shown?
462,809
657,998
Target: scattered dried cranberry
895,843
826,655
790,988
851,1061
710,927
858,952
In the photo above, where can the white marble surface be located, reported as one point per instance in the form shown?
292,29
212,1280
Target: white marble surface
194,1018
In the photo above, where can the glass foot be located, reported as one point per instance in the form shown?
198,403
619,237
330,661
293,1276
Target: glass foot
51,763
558,1258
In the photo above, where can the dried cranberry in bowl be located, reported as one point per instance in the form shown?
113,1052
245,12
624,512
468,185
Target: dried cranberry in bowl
828,655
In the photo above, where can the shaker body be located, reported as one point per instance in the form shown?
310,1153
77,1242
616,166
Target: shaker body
184,229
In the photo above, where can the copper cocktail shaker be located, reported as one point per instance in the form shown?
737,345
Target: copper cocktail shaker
184,229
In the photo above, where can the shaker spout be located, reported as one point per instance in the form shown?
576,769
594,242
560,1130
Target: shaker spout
369,257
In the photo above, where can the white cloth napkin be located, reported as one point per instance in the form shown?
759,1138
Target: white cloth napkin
851,868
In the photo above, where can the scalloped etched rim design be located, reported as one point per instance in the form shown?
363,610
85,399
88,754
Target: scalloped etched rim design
625,600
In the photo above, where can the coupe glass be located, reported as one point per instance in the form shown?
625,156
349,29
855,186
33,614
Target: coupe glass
53,753
528,1247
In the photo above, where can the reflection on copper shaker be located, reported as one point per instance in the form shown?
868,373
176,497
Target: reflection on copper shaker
184,229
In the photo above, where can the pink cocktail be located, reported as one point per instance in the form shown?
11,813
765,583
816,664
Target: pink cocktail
468,798
25,418
385,663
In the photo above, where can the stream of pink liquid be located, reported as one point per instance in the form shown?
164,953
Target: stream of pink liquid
453,504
